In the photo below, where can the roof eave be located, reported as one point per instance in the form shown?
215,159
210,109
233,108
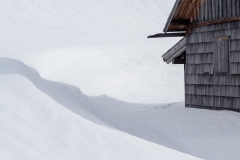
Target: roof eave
171,16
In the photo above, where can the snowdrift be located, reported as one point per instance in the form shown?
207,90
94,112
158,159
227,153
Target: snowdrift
34,125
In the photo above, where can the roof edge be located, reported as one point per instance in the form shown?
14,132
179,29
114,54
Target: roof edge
171,15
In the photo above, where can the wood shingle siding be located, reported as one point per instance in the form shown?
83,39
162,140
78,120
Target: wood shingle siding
212,56
209,10
203,88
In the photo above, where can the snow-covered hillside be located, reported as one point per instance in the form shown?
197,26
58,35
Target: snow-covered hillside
99,46
80,80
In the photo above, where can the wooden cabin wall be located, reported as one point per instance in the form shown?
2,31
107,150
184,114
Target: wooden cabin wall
212,91
209,10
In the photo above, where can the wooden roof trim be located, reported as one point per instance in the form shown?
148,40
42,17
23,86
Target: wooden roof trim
175,51
171,15
163,35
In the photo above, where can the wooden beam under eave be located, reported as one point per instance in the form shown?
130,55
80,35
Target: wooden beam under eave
214,22
180,21
178,61
163,35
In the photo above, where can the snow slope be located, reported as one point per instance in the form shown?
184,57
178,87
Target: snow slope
105,92
34,125
99,46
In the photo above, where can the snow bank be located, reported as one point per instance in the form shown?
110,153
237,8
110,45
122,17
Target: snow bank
34,125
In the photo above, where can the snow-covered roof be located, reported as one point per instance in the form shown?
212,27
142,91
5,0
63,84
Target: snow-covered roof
175,51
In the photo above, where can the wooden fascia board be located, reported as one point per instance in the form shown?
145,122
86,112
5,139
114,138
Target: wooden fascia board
163,35
178,53
175,51
171,15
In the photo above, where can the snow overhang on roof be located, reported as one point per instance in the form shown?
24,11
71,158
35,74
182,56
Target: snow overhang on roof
175,51
180,16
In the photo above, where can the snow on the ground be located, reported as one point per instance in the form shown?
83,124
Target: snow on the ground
34,125
105,91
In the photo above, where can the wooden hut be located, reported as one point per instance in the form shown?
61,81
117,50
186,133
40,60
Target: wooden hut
210,51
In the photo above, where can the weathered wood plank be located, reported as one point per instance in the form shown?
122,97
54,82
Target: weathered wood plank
211,80
234,7
229,9
200,58
237,8
215,21
235,56
213,90
235,45
202,69
213,9
224,8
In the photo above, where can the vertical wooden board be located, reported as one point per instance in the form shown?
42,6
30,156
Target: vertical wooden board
218,60
202,10
209,9
217,33
224,8
198,11
235,33
215,54
236,103
238,8
206,14
224,56
208,47
201,37
220,10
210,36
201,47
213,9
195,14
234,24
234,7
238,68
193,48
229,8
219,26
235,56
188,49
227,32
235,45
234,69
217,9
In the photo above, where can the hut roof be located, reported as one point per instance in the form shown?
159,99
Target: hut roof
180,16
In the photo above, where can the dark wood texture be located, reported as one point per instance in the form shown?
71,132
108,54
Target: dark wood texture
205,45
163,35
180,22
178,61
